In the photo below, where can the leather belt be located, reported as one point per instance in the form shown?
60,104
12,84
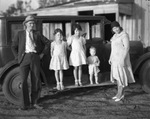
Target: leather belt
32,53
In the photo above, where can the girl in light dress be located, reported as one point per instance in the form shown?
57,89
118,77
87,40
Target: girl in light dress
120,60
59,61
93,62
78,53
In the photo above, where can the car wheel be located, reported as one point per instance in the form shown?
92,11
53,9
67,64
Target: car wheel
12,86
145,76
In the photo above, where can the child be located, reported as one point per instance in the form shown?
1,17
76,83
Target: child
77,56
93,62
59,58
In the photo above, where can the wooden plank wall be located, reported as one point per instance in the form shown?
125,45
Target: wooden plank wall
136,24
141,21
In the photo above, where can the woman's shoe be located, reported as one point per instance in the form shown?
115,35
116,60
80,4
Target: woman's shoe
115,97
118,99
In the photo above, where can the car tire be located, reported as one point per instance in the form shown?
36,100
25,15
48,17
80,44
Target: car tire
12,87
145,76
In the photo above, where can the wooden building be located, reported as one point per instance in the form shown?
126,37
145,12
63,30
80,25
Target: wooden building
133,15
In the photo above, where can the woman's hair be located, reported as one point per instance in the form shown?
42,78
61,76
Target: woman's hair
77,26
92,48
116,24
58,30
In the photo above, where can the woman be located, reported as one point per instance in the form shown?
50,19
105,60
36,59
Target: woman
120,60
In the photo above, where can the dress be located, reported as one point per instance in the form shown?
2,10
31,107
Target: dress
122,73
93,62
77,55
59,57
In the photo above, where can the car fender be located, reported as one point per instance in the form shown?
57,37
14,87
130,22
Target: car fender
140,62
10,65
4,70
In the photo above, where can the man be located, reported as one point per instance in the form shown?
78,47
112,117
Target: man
29,47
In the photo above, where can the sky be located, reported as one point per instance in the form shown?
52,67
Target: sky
4,4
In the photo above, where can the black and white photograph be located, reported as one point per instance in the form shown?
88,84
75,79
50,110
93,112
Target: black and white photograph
74,59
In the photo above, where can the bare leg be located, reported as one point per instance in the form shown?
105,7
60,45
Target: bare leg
117,95
120,94
80,75
120,91
96,78
75,75
61,79
91,78
57,79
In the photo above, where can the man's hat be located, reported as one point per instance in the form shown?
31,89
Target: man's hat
28,18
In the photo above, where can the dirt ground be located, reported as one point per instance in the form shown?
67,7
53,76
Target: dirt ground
84,103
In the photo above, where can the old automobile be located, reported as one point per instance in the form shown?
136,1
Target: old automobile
93,29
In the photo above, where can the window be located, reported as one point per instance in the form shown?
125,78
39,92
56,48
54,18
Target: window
48,29
14,28
68,30
96,30
93,29
85,29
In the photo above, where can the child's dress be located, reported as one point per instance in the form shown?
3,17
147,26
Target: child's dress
77,55
59,57
93,62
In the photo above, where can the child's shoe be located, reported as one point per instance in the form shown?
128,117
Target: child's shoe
61,86
76,82
80,84
58,86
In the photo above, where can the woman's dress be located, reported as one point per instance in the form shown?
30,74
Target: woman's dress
121,72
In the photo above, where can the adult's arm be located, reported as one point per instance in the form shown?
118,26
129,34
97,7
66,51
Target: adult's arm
46,44
125,42
14,46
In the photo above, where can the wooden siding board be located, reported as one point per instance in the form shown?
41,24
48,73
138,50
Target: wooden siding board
98,9
145,28
141,22
148,23
102,9
125,9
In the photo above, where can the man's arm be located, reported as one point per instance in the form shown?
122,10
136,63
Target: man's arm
46,43
14,46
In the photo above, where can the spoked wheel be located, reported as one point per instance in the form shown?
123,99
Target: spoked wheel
12,86
145,76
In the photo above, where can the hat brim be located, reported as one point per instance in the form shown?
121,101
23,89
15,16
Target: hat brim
28,21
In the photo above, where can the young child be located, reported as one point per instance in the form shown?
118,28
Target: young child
77,55
93,62
59,61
